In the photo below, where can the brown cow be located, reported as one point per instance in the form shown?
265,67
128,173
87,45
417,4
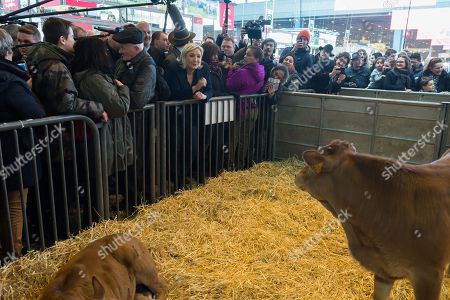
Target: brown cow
398,228
108,268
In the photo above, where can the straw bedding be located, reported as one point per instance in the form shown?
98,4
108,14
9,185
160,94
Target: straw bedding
238,237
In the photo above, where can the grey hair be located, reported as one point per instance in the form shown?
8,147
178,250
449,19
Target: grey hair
6,43
189,47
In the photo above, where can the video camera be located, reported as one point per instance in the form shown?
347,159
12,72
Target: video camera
254,28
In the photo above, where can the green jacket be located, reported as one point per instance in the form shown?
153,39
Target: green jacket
100,88
53,84
139,74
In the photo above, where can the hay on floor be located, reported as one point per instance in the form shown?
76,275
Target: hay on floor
241,236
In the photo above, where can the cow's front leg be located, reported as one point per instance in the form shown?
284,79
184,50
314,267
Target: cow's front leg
427,284
382,288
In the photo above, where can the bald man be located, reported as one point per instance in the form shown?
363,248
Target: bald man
147,29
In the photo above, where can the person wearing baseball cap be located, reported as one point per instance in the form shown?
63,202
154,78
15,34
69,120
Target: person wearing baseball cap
136,68
300,51
357,75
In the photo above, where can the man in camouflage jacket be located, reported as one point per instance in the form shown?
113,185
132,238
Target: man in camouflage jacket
51,79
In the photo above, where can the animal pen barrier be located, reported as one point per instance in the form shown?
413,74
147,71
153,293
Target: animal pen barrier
377,126
60,158
91,172
411,96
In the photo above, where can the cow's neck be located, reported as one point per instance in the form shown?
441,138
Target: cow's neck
370,201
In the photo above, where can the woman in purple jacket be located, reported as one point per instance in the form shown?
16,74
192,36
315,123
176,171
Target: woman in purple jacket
248,79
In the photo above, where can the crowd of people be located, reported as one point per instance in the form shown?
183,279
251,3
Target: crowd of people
103,78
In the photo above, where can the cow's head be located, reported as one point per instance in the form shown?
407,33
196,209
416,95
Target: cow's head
322,165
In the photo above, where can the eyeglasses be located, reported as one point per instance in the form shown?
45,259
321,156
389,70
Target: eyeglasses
300,39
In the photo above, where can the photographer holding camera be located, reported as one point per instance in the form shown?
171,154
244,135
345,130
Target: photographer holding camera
300,51
254,32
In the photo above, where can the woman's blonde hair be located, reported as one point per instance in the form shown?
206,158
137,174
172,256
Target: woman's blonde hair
186,50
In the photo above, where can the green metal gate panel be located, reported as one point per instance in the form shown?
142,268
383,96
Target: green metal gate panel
396,95
379,126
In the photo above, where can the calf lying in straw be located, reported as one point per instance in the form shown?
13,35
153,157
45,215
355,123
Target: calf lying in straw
108,268
398,227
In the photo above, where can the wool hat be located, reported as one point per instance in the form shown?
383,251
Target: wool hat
129,35
327,48
305,34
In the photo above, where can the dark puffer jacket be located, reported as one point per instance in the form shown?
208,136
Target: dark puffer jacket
53,84
16,103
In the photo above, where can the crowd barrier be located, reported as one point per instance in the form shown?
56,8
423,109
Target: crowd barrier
403,95
52,167
378,126
395,95
87,172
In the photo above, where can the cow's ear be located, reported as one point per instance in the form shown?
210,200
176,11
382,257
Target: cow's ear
314,159
99,290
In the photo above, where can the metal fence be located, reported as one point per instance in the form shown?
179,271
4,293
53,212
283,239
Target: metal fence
82,172
128,161
397,95
200,139
445,142
48,166
378,126
410,96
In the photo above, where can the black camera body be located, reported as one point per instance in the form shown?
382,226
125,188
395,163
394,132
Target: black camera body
254,28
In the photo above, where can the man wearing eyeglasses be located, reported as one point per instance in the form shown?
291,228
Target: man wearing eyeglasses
300,52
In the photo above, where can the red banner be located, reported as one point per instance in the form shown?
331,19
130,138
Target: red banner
10,4
78,3
230,15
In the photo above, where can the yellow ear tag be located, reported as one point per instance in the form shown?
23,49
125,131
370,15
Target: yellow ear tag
317,167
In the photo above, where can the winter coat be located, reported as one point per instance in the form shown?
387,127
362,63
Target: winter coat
218,84
418,73
320,82
281,88
376,80
139,74
172,56
302,58
248,79
441,83
398,80
16,103
359,77
268,65
180,88
53,84
158,56
99,87
293,83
